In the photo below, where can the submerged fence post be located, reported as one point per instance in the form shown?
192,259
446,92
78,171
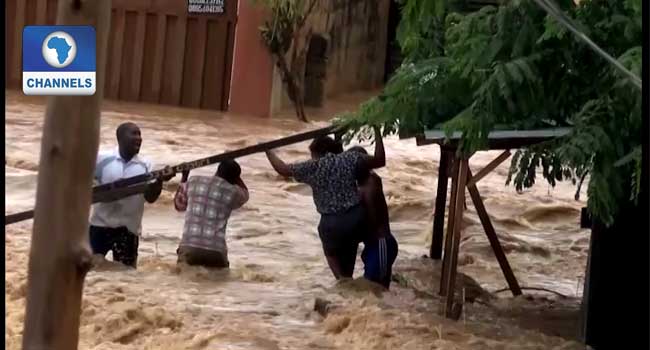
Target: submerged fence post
59,257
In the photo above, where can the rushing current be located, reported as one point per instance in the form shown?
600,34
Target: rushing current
266,300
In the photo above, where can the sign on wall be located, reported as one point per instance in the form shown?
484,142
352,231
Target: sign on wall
205,6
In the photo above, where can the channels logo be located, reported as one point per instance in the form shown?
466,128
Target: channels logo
59,60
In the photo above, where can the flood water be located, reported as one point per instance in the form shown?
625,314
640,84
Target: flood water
266,300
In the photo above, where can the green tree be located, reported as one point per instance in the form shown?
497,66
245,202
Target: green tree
286,34
515,67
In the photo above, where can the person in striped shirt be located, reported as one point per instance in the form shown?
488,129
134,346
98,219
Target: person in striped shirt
208,202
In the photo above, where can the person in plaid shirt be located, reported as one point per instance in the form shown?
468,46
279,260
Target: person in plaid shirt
208,202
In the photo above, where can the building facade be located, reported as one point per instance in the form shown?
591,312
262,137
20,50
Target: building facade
159,53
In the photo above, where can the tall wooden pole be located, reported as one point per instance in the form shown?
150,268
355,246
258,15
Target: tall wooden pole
59,255
446,158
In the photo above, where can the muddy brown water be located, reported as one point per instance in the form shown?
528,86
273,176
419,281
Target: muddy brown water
266,300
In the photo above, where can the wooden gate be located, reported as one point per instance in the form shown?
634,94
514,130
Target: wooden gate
157,53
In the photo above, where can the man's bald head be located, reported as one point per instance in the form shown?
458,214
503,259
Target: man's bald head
128,139
124,128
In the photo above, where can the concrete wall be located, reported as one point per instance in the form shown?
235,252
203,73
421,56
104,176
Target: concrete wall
252,78
357,34
357,31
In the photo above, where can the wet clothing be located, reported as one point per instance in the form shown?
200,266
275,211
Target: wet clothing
378,257
125,212
203,257
207,202
331,179
120,240
380,246
341,234
116,226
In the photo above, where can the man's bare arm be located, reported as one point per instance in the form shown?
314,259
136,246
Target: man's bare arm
378,160
278,164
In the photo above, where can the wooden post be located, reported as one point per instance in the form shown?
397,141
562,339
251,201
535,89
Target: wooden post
441,202
452,264
450,227
492,237
59,255
489,168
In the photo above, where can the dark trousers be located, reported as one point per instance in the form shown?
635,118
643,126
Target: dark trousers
202,257
123,243
340,235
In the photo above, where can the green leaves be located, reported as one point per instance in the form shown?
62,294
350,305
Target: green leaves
513,66
277,31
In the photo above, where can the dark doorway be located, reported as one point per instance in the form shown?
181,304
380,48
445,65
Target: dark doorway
316,71
393,51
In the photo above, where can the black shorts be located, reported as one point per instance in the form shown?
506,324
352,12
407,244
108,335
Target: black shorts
123,243
341,234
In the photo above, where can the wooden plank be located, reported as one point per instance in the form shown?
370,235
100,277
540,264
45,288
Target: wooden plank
201,62
503,134
59,257
106,196
260,147
176,58
458,217
109,66
149,58
213,80
173,62
492,237
15,79
128,50
437,234
231,11
161,39
489,168
154,54
51,12
230,48
41,12
503,139
138,54
195,58
170,47
450,228
117,31
30,12
166,7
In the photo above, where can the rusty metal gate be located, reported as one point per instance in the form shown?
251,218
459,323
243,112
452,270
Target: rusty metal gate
157,53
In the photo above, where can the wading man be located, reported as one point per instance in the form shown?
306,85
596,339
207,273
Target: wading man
116,226
208,202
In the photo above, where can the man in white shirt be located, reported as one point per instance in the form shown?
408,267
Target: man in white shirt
116,226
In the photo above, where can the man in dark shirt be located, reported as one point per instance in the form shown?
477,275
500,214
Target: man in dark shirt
332,179
380,247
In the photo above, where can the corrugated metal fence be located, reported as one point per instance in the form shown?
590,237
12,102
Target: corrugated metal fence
157,52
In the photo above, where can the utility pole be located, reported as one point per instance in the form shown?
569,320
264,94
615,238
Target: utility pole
59,255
